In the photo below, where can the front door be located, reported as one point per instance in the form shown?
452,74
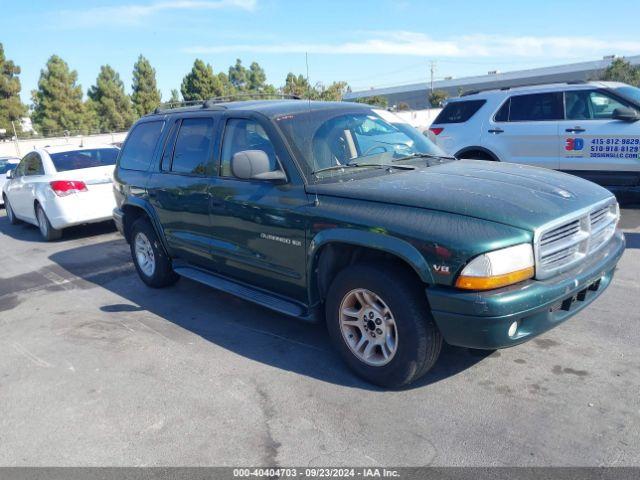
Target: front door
525,130
179,193
258,225
594,145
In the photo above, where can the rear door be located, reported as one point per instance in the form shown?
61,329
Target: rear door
179,192
525,129
594,145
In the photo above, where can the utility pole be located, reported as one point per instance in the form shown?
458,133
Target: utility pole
432,70
15,135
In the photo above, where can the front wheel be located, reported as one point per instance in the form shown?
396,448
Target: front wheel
379,321
10,215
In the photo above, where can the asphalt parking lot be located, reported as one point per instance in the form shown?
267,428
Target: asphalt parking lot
97,369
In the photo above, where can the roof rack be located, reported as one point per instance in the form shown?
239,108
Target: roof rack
213,103
570,82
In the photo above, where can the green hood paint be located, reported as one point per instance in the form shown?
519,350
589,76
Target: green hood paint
520,196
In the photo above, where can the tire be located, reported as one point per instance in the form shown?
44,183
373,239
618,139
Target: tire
13,220
46,230
407,319
149,258
476,155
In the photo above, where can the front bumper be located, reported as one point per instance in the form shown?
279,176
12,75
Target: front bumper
482,319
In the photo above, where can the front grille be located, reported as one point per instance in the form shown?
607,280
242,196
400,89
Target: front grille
562,245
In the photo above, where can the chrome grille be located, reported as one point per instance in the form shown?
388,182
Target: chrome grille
563,244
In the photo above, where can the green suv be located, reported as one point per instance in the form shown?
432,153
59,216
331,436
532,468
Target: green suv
344,213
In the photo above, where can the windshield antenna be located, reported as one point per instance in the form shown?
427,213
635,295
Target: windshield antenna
315,167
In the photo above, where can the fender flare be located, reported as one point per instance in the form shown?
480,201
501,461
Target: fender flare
144,205
364,238
479,149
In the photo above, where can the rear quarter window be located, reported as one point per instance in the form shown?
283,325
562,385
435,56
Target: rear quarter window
140,146
459,112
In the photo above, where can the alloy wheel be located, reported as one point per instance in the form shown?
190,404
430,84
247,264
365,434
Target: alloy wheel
144,254
368,327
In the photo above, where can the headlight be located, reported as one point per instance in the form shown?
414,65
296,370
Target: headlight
498,268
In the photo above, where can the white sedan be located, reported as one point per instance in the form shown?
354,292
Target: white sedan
6,164
58,187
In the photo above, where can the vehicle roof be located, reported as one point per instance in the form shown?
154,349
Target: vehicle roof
548,87
71,148
270,108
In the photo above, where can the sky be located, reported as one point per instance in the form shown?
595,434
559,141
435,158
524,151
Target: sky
372,43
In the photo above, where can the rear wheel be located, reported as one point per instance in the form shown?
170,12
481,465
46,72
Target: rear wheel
10,215
46,230
380,322
152,264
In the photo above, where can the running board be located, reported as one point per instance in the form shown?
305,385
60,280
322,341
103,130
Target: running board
244,291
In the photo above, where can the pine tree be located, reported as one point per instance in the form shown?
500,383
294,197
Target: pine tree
298,86
238,76
57,103
334,92
226,87
256,78
145,96
175,96
11,107
111,104
200,83
622,71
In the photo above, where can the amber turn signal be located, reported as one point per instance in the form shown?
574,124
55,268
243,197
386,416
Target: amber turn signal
496,281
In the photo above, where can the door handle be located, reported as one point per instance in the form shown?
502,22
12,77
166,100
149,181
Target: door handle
496,130
575,130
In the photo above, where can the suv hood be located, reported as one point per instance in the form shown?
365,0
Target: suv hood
517,195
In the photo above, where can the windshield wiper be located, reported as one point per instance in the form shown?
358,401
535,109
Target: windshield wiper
424,155
356,165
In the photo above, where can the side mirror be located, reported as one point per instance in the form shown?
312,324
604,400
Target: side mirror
254,165
626,114
9,174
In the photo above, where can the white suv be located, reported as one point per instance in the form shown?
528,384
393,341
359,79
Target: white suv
587,129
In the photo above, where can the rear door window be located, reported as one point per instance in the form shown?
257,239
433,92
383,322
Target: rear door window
459,112
536,107
140,146
97,157
192,151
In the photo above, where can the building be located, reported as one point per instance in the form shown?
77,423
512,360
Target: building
415,95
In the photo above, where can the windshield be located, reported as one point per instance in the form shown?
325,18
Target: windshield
98,157
630,93
5,165
328,139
